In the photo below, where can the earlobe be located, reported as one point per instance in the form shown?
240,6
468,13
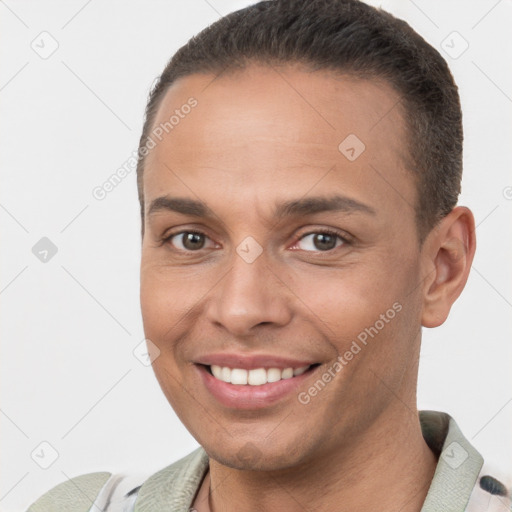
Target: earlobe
452,248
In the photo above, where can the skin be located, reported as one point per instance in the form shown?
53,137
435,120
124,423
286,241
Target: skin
261,136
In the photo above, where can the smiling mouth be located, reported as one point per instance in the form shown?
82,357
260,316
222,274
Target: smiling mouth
256,376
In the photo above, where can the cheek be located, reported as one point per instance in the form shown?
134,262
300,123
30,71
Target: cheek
163,308
366,303
161,312
347,299
166,293
171,305
156,304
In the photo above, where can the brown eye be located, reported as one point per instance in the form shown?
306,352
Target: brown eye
321,241
193,241
188,240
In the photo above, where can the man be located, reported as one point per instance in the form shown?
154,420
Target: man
299,170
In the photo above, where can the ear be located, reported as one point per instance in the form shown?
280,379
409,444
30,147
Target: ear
447,255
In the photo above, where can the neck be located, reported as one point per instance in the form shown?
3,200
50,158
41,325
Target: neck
389,467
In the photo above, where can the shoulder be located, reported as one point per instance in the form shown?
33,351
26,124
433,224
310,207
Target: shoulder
74,495
171,487
463,480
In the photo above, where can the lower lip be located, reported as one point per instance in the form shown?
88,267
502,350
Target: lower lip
251,397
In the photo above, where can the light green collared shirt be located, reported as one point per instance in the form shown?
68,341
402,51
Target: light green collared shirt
461,482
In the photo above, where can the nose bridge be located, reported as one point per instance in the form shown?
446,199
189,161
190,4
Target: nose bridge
249,294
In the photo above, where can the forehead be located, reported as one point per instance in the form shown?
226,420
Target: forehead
278,129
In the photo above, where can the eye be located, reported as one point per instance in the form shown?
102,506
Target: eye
188,240
321,241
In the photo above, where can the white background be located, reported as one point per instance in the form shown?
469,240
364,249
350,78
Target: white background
70,325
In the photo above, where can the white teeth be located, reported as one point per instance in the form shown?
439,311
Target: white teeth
255,377
226,374
287,373
300,371
238,376
273,374
217,371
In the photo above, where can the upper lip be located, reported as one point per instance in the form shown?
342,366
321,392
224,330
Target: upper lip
250,362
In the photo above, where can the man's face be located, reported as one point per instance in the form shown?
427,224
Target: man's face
263,286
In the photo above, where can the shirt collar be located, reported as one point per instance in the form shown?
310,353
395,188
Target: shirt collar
458,465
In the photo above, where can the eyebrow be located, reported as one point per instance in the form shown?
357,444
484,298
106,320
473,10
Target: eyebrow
294,208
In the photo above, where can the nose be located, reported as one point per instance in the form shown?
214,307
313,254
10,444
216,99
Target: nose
249,295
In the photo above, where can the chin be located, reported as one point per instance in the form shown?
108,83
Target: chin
251,457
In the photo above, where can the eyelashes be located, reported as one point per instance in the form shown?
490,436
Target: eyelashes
323,233
167,239
200,240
